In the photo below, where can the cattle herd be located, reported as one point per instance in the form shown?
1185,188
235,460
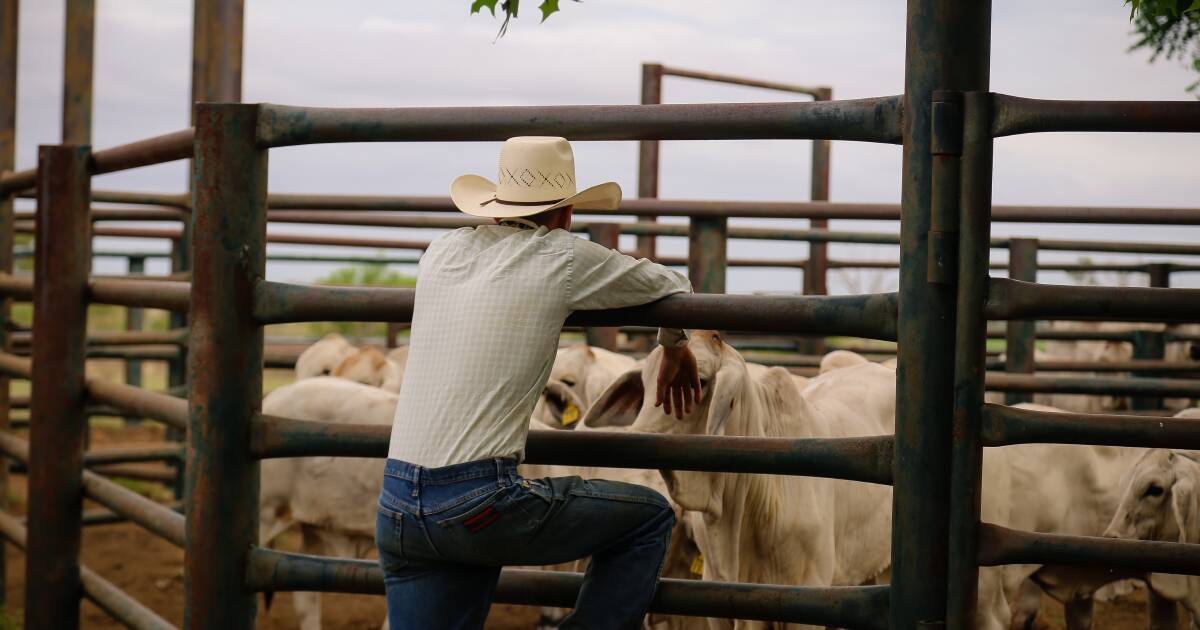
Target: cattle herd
735,527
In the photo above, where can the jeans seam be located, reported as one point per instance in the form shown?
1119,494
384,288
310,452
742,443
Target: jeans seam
619,497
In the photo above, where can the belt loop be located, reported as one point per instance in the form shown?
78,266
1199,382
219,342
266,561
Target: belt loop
416,482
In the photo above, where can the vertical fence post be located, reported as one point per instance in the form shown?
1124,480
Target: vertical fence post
707,260
229,219
648,157
1021,335
1151,345
9,10
816,269
970,359
133,322
1160,275
608,235
946,49
57,418
78,51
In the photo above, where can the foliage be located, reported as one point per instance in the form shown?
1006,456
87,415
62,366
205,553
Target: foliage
371,275
9,621
1169,29
510,9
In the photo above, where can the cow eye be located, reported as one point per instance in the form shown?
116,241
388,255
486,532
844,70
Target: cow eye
1154,490
703,383
569,382
325,372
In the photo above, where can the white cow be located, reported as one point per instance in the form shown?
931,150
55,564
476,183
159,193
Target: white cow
763,528
321,358
1159,500
580,374
371,367
1059,489
332,499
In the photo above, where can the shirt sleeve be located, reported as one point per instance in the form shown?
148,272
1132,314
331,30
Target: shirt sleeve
601,278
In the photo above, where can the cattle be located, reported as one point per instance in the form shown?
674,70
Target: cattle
371,367
1159,501
764,528
322,357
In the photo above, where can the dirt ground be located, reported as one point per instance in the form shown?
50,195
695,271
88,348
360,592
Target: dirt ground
151,570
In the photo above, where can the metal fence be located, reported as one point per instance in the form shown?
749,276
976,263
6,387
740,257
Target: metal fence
933,461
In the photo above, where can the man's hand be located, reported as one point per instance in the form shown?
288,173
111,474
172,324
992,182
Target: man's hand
678,382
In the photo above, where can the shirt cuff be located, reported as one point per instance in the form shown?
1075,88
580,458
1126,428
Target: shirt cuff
672,337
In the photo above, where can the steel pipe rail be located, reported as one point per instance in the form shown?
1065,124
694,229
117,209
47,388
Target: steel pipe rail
163,294
121,214
1001,545
849,607
140,403
157,474
870,316
138,453
168,147
16,287
162,352
1014,115
814,91
867,459
1003,425
141,198
865,120
16,366
1094,385
155,517
1012,299
1109,366
117,603
702,208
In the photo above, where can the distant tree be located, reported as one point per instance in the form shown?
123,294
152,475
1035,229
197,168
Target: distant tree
510,7
1169,29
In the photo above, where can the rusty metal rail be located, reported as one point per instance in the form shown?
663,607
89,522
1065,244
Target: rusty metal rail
164,294
871,316
1012,299
1002,425
156,150
838,606
154,517
864,120
1001,545
1094,385
866,459
140,403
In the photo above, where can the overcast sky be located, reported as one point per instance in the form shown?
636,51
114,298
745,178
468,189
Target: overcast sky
396,53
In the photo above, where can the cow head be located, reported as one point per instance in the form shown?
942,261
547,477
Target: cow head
629,401
1159,501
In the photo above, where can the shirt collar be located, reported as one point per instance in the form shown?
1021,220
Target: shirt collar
519,223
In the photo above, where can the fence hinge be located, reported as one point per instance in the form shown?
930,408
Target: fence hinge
945,145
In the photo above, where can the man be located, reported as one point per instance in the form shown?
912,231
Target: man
491,301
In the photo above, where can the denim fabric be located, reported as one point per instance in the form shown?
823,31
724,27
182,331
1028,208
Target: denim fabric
443,534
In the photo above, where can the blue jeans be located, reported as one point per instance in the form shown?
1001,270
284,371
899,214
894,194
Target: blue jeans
443,534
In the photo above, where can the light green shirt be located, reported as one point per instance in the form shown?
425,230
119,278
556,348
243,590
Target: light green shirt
490,304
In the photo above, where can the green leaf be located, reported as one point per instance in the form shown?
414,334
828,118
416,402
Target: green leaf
548,7
1194,6
479,4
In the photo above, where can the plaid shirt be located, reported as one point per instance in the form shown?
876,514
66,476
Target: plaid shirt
491,301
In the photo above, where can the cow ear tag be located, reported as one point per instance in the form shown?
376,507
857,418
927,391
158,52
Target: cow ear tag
697,567
570,414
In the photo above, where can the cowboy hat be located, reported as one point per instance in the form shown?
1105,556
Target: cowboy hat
537,173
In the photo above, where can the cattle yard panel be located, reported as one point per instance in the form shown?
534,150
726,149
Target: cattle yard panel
947,158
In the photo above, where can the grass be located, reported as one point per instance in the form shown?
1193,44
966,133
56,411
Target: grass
149,489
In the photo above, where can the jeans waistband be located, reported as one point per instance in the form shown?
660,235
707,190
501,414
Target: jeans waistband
494,468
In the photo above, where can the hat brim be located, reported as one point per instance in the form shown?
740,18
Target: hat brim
476,196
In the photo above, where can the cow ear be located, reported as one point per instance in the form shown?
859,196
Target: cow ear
726,385
1185,508
620,404
568,400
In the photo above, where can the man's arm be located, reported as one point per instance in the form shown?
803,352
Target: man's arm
602,278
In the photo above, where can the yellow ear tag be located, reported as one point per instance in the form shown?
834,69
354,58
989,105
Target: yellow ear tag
570,414
698,565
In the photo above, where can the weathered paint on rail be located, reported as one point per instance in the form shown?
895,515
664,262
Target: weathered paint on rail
865,120
1016,115
1001,545
1011,299
1010,425
58,395
841,606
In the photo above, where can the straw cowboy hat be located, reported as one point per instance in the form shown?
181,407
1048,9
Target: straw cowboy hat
537,173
